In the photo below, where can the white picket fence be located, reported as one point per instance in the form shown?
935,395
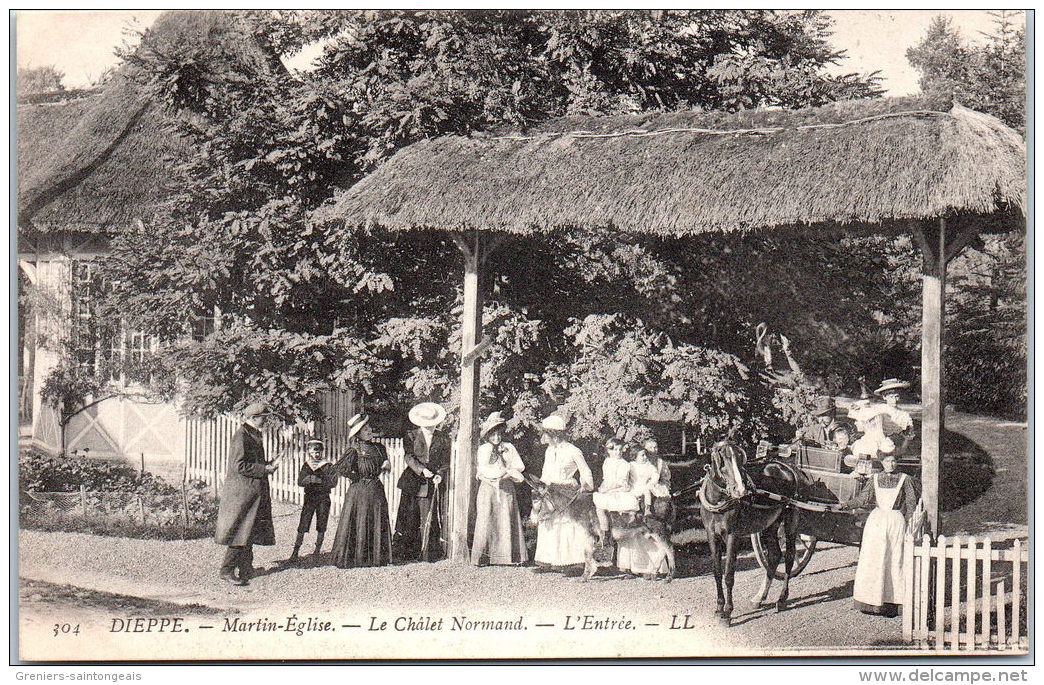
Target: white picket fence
964,596
206,459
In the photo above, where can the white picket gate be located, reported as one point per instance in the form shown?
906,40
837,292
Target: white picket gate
206,459
963,596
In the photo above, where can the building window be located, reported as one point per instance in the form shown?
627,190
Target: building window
202,326
85,288
112,352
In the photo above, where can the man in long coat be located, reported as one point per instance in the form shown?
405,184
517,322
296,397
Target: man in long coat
245,509
422,505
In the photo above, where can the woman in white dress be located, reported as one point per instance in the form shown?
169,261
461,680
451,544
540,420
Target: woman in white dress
879,422
498,528
879,574
562,541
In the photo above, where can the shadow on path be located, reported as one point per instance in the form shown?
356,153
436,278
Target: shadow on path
838,592
966,472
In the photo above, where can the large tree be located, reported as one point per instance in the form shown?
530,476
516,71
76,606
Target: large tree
986,355
302,306
988,75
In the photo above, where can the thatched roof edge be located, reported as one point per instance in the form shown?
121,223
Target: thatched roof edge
672,174
101,160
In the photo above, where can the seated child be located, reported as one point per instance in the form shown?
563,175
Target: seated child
647,477
614,494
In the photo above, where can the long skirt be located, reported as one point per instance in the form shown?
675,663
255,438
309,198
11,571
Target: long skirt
879,575
636,555
415,541
498,527
561,542
364,532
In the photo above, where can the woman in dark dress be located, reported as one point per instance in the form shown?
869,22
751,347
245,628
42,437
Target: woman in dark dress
364,531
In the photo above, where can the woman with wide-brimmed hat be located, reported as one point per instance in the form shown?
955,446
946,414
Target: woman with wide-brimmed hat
422,505
562,541
498,526
364,534
880,422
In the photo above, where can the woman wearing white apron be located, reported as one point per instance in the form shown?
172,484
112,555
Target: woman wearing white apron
879,576
562,541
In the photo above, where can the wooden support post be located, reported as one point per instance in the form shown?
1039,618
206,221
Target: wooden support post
462,470
933,286
939,244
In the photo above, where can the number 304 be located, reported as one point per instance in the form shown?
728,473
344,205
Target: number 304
66,629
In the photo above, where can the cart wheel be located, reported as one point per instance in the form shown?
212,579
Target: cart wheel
806,547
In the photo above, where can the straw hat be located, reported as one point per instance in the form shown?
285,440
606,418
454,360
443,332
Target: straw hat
254,409
356,423
824,405
427,414
494,420
891,384
553,423
314,441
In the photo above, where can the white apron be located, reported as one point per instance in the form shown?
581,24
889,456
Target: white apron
879,575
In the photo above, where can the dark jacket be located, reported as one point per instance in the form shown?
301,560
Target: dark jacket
245,510
821,436
318,481
420,457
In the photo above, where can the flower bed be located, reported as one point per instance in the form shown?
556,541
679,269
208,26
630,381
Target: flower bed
115,500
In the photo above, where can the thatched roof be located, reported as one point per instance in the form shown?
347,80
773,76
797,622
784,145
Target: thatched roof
102,160
679,173
81,171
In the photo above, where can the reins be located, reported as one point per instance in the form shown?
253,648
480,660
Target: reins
551,502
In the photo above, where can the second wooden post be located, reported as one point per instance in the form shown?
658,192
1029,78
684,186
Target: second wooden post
462,470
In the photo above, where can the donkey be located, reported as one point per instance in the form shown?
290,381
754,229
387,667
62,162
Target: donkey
731,510
553,501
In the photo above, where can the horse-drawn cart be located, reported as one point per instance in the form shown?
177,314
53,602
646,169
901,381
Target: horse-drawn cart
827,483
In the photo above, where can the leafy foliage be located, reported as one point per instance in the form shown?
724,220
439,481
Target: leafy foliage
989,77
302,306
116,496
68,387
35,80
986,354
986,362
624,372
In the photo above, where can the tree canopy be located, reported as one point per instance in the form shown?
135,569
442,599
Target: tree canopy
304,307
986,357
989,76
37,80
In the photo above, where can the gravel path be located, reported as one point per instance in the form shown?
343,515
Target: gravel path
820,618
185,573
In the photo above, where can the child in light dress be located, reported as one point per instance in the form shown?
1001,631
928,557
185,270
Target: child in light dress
615,492
646,477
